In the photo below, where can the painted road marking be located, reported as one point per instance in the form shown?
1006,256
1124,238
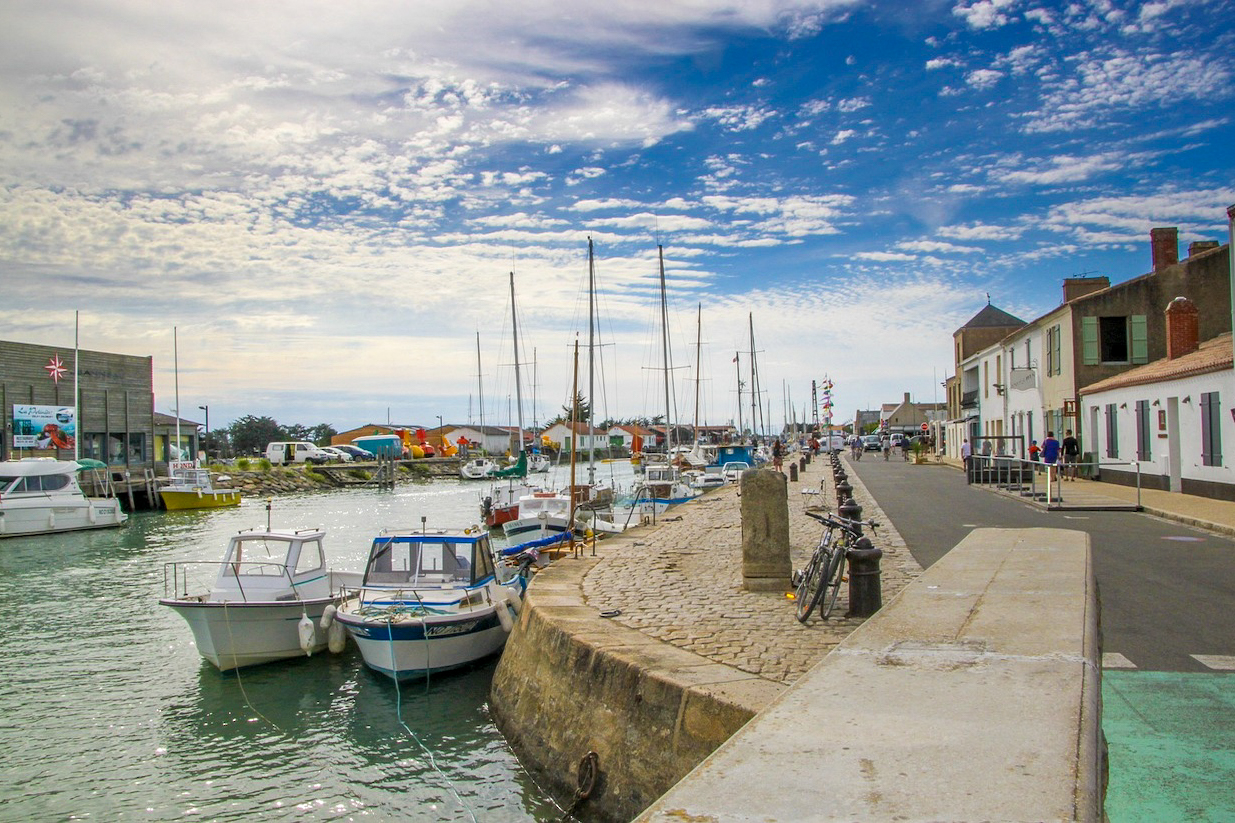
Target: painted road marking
1170,752
1218,662
1114,660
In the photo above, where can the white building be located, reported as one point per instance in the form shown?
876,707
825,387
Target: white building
1171,419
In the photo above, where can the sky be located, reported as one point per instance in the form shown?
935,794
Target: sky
312,211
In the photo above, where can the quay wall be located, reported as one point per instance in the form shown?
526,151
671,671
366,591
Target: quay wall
571,683
975,695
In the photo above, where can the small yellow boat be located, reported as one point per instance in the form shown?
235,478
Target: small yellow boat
191,489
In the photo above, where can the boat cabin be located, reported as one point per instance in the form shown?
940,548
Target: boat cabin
430,559
191,478
272,566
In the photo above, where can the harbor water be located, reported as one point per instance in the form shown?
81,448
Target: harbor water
110,714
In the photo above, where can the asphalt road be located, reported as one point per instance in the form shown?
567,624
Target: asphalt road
1167,589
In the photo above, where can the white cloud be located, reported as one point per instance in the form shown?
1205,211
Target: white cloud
738,118
885,256
983,78
984,14
936,246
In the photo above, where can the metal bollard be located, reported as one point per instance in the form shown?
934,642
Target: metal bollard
802,463
843,492
793,472
865,588
850,510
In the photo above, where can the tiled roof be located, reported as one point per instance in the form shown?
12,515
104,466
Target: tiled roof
991,317
1212,355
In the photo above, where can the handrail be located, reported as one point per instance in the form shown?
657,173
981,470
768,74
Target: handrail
179,571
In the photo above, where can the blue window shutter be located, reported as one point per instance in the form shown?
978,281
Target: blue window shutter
1089,341
1138,332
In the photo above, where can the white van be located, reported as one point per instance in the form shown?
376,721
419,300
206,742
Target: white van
296,451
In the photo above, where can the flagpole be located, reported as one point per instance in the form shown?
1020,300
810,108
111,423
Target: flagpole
76,386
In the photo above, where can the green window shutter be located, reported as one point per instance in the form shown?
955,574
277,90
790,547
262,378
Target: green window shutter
1089,341
1138,331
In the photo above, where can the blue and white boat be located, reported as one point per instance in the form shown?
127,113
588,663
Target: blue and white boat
432,601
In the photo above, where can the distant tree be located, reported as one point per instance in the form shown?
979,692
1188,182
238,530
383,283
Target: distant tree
296,431
321,434
579,411
249,434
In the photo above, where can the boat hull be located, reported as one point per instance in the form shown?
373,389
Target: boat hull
233,635
20,517
199,499
411,647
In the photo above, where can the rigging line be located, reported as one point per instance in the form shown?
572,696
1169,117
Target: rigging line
394,672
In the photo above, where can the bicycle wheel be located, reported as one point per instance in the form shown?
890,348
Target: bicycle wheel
810,589
833,578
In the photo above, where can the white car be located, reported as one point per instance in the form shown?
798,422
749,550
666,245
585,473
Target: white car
337,454
733,470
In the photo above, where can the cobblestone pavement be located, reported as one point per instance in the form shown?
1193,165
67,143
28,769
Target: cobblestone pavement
680,581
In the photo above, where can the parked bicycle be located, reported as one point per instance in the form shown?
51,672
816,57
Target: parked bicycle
819,583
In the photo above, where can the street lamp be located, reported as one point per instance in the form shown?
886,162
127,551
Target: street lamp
206,409
439,424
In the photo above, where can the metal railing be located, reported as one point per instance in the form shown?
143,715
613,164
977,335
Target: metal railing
1037,480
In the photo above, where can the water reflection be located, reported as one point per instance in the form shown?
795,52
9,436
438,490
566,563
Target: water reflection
111,713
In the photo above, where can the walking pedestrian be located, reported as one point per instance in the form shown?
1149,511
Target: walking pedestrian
1050,453
1071,454
966,456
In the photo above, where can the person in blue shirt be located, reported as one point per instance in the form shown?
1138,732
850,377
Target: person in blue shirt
1050,452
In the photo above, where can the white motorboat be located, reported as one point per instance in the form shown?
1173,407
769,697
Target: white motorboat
478,468
41,495
431,601
541,513
704,480
539,463
732,470
272,598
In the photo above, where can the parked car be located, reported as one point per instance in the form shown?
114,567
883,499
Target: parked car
356,452
337,454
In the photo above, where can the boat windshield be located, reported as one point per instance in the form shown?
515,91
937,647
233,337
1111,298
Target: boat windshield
411,562
34,483
258,556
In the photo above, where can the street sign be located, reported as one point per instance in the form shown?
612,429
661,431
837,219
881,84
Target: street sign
925,427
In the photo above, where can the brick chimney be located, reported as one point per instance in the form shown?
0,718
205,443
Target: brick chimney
1198,246
1183,328
1074,287
1165,245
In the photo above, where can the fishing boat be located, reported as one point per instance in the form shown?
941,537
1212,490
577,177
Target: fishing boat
540,514
41,495
432,601
272,598
191,488
539,463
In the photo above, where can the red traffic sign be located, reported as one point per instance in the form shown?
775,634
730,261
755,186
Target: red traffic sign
925,427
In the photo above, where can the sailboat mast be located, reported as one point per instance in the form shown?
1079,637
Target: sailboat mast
737,363
176,369
664,331
754,381
514,327
698,364
480,390
591,366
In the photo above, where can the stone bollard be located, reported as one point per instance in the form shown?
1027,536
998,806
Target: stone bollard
802,463
793,472
765,531
865,587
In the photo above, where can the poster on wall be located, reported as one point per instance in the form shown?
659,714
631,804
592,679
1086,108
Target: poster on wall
44,427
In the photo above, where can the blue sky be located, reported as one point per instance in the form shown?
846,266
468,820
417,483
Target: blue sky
326,199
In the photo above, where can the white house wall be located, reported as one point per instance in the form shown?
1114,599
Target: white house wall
1165,395
1024,406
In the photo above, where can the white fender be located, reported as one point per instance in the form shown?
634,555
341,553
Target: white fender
515,601
91,515
336,638
308,635
503,615
51,520
328,616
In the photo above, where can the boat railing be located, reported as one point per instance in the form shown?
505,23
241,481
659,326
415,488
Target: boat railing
205,575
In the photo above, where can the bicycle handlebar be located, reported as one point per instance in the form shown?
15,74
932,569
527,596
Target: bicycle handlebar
843,522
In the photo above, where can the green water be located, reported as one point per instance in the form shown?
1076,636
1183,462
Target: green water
110,714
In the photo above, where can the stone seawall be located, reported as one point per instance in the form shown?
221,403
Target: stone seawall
651,653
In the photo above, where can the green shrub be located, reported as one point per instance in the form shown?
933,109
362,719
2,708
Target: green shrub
242,464
264,464
359,474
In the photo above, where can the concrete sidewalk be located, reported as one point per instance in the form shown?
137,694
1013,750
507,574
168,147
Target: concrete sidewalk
1202,512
